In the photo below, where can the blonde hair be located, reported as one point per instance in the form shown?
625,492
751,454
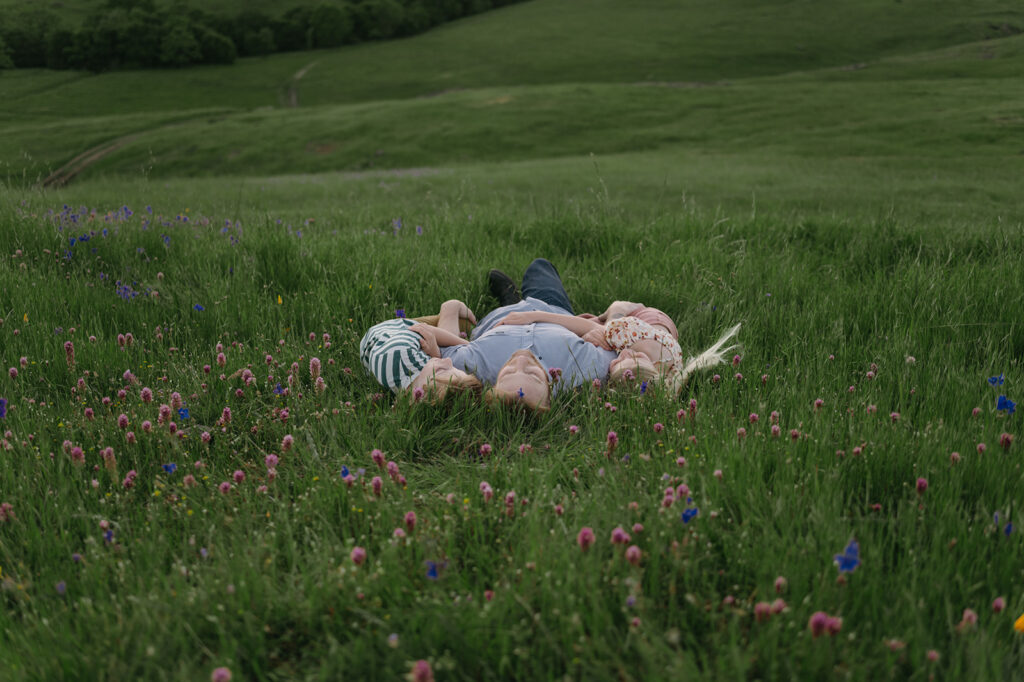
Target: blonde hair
492,397
434,393
639,373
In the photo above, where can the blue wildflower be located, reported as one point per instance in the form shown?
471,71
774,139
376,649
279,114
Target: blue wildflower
400,312
344,471
849,560
688,514
279,389
1006,404
996,381
521,394
3,408
109,536
170,468
1008,529
198,307
643,387
431,569
183,413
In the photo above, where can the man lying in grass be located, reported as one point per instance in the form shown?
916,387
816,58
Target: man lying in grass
527,364
405,355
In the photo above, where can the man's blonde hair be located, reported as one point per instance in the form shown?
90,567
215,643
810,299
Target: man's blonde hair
493,397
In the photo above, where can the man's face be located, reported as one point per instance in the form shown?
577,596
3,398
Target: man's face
523,379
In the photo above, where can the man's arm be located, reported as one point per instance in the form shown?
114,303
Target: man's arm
577,325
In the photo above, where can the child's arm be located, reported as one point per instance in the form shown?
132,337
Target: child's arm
435,338
577,325
448,318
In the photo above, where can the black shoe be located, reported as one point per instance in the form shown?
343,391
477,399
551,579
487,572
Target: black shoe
503,288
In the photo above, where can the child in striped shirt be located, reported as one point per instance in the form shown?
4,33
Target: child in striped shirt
404,355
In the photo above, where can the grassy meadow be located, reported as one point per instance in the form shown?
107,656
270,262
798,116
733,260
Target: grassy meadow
850,194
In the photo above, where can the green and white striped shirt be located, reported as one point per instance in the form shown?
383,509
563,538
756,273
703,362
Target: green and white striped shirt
392,353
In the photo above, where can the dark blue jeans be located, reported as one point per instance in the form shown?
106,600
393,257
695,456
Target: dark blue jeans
541,281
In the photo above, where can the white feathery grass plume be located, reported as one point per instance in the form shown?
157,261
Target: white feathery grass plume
715,355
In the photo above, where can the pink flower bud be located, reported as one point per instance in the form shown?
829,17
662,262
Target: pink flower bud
817,623
619,536
585,538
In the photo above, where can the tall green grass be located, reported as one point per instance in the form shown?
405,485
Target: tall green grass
262,582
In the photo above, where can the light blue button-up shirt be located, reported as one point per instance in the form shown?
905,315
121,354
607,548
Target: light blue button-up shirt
553,345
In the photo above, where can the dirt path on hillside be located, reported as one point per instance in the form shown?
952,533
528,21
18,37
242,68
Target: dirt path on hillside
291,97
72,168
69,170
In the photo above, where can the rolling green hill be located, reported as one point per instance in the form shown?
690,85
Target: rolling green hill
549,79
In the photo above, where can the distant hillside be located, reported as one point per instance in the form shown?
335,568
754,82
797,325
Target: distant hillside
545,79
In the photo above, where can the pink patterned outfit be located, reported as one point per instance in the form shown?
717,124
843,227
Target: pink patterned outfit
623,332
